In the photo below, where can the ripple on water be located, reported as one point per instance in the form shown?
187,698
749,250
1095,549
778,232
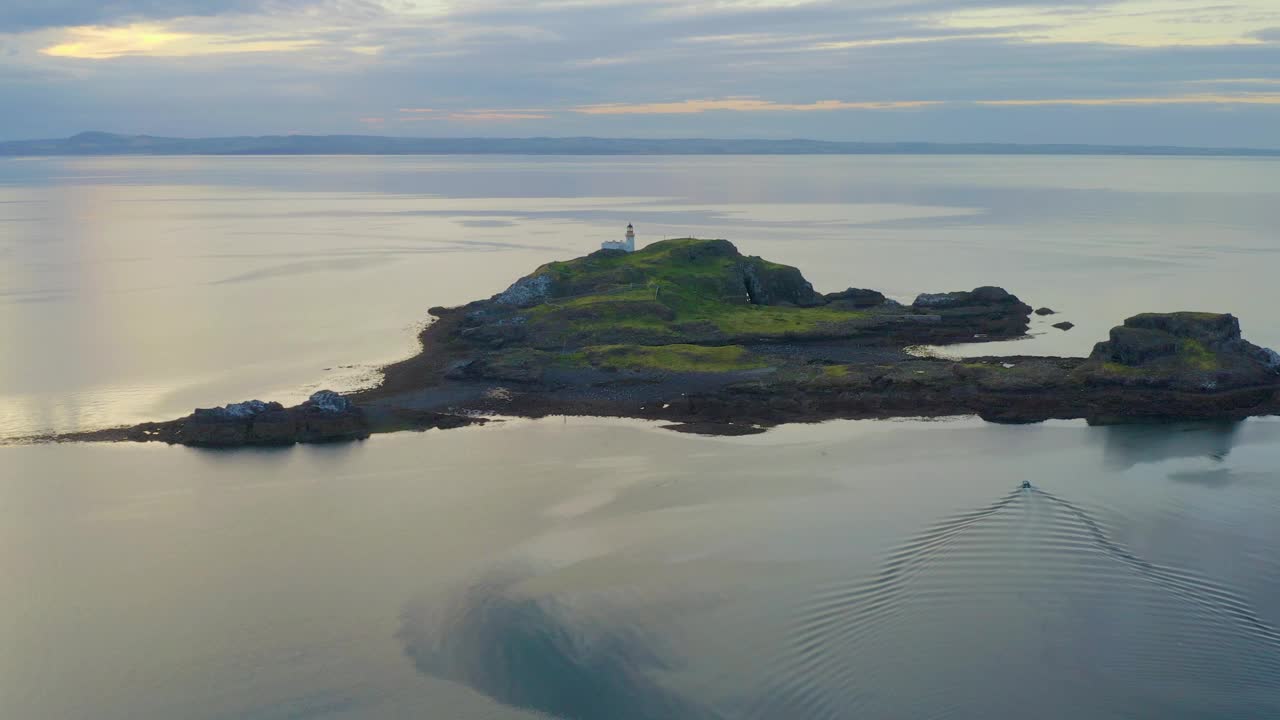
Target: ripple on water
1025,606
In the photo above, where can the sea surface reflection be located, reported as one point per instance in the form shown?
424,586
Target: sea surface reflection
590,568
609,569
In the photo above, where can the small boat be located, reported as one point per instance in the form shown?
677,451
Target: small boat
1026,484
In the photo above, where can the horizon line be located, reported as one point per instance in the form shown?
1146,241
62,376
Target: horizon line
40,146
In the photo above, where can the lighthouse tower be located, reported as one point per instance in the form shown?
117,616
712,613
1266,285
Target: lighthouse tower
627,245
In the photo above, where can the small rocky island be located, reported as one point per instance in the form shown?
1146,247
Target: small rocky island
694,333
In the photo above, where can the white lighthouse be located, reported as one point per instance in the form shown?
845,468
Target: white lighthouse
627,245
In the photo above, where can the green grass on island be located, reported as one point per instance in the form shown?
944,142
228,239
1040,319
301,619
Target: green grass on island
671,358
1194,354
835,372
771,322
682,291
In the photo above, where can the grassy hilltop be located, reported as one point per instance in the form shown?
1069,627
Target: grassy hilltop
680,305
685,290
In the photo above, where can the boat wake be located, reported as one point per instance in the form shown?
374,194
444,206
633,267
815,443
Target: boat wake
997,610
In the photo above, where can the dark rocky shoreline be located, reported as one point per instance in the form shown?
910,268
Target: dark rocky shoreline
692,333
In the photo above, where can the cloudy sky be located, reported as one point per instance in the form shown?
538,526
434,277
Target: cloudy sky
1104,71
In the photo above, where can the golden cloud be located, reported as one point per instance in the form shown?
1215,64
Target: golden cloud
92,42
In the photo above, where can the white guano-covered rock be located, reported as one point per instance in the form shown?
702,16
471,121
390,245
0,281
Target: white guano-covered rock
526,292
329,401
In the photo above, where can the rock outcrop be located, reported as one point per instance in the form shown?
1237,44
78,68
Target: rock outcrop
986,311
325,417
230,424
768,283
1181,350
855,298
985,296
329,401
526,292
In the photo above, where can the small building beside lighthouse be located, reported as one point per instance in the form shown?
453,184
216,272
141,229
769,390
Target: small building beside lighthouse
627,244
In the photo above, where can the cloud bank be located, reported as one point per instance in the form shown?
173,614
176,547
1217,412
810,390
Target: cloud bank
1123,71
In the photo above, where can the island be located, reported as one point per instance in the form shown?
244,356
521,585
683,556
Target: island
694,333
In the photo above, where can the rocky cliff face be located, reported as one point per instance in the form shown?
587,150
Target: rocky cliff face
526,292
768,283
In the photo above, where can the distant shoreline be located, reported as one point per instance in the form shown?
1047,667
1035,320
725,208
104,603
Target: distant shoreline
99,144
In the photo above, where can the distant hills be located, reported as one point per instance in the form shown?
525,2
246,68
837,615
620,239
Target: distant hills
101,143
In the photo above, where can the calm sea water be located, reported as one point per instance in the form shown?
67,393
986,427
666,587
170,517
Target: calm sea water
608,569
